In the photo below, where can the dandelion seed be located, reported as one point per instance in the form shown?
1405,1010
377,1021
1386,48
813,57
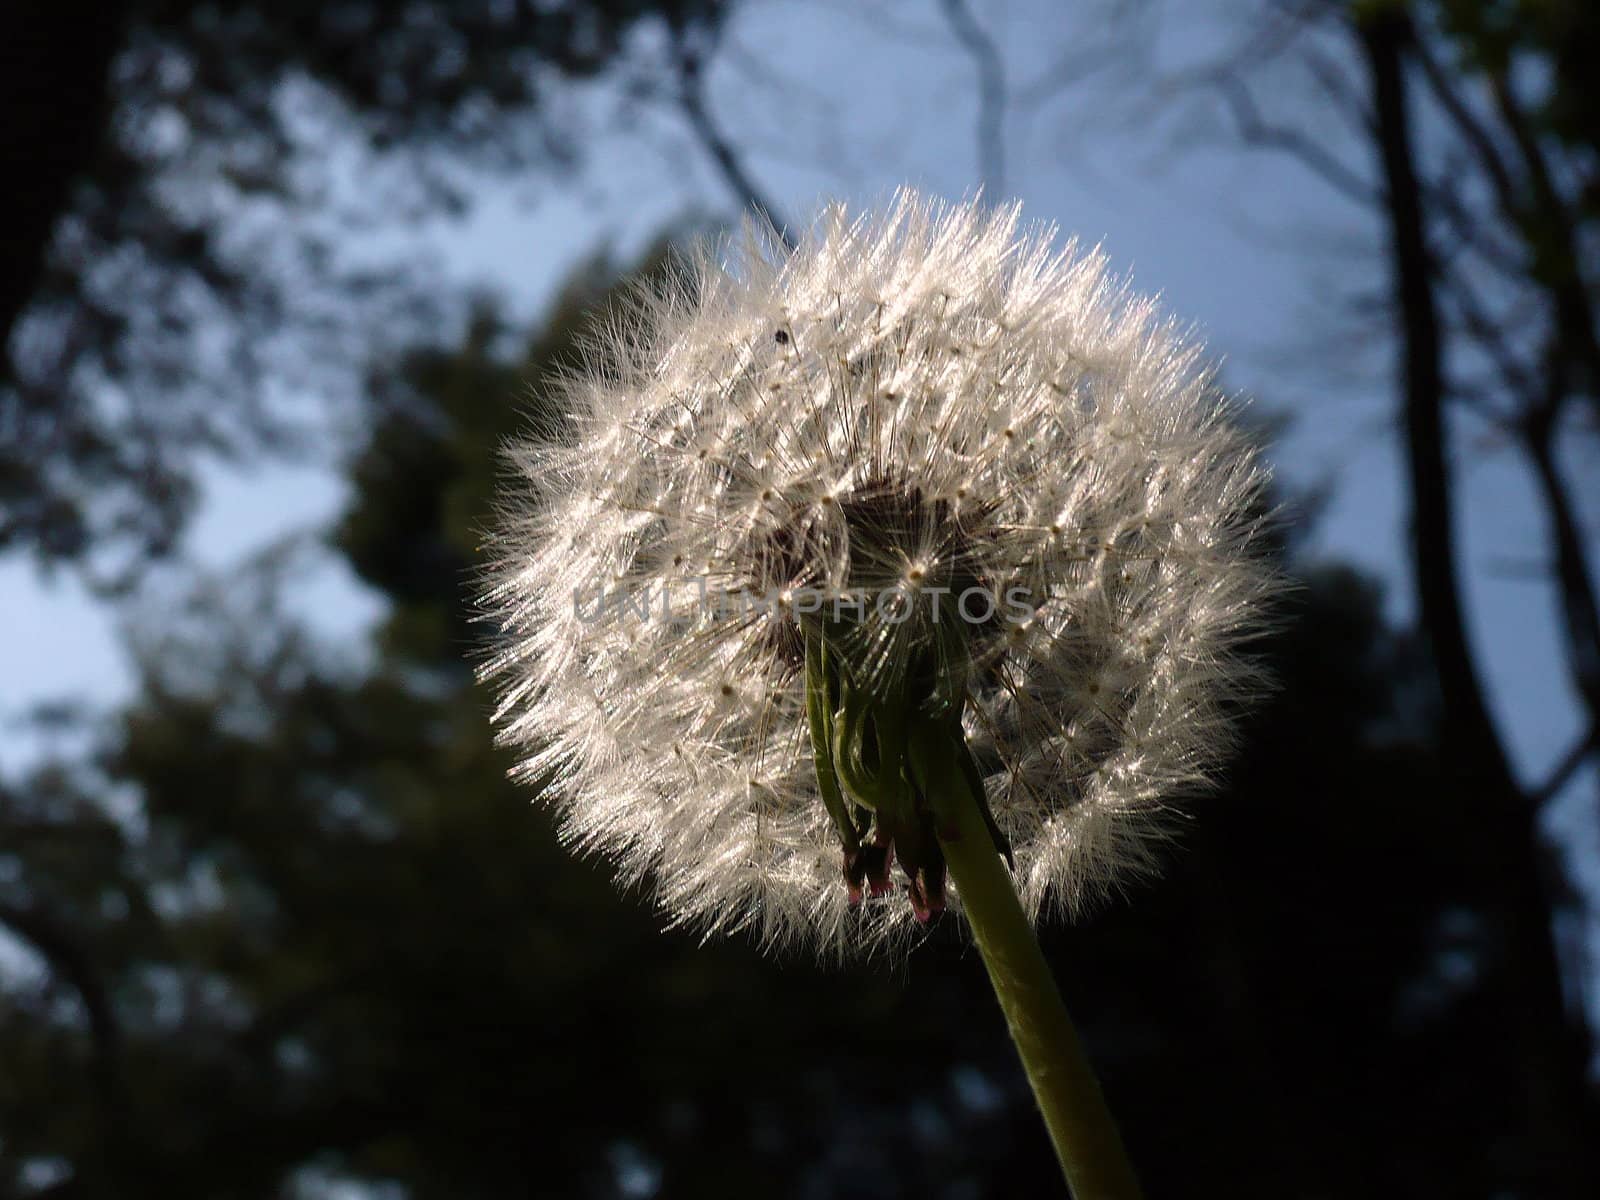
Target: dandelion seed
934,402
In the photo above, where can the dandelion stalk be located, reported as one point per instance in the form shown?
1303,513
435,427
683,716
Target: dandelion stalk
909,758
1085,1137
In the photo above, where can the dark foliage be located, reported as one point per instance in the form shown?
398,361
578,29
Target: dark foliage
163,279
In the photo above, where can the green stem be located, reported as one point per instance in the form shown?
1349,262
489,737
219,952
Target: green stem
1086,1139
903,756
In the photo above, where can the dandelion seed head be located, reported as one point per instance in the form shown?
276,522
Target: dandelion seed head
929,406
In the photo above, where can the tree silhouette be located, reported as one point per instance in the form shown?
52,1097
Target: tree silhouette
170,263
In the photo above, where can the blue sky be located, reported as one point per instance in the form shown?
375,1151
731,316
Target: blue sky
829,100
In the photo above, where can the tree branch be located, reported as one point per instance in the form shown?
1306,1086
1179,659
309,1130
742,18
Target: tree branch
1255,130
1519,380
991,93
1432,533
1472,130
1568,765
1560,267
1473,232
1580,610
688,61
72,965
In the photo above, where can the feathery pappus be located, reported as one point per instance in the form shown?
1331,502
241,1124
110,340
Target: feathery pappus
931,444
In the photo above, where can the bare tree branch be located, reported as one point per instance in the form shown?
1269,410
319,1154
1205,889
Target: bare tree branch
1563,269
1580,610
1567,766
1334,80
1520,380
1574,311
991,93
689,61
71,964
1432,532
1256,131
1469,126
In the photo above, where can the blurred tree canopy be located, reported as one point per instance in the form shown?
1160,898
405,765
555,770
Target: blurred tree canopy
294,927
287,924
167,162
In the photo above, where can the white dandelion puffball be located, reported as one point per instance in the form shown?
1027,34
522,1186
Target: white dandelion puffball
955,456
